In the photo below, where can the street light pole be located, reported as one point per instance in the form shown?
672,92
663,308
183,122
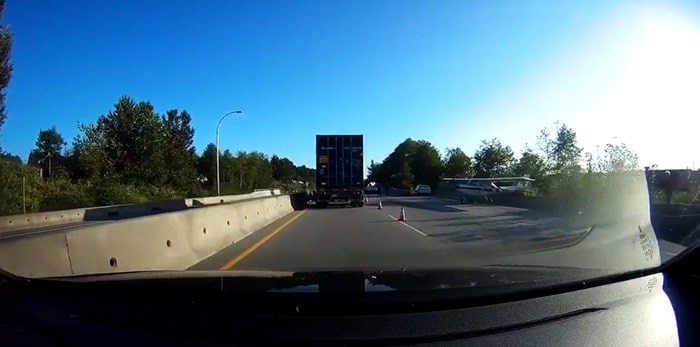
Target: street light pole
218,184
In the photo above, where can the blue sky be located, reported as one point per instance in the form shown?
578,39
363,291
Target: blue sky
451,72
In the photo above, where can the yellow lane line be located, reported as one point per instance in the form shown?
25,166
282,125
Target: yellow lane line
258,244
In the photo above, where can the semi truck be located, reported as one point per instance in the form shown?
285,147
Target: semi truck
339,170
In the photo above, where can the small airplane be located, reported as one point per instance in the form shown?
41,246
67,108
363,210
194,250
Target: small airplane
489,186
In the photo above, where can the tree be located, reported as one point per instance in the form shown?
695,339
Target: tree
561,151
373,171
306,174
179,153
396,167
254,171
404,177
425,163
493,159
457,163
87,159
283,169
5,65
75,166
206,166
379,172
410,162
231,170
47,153
9,157
125,145
619,158
50,141
530,164
261,175
591,164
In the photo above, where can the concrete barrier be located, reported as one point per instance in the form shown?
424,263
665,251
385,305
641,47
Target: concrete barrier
210,200
116,212
36,255
167,241
22,221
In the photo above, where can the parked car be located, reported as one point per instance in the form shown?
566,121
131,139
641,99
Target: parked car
423,189
373,191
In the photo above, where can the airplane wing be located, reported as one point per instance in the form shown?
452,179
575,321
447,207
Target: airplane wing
492,179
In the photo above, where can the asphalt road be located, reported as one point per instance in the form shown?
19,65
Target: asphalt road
439,233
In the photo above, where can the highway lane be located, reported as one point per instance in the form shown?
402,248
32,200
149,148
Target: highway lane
338,238
438,234
449,221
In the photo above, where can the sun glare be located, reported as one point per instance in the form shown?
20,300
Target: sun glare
634,78
657,104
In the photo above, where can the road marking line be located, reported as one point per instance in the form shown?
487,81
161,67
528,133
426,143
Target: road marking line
258,244
409,226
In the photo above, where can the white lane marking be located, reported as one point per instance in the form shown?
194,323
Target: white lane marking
409,226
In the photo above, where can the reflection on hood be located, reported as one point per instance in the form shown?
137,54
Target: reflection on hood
483,277
488,277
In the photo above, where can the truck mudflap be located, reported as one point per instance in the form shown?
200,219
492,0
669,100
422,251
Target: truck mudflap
351,198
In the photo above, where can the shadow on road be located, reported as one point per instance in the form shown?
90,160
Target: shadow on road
465,223
458,236
501,224
435,206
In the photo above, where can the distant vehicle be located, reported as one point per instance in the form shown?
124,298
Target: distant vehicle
423,189
372,190
339,170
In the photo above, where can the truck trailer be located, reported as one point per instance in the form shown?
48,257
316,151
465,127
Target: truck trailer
339,170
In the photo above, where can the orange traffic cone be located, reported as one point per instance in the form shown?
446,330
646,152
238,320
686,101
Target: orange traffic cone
402,216
379,206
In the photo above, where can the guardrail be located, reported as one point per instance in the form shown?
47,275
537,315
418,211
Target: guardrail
166,241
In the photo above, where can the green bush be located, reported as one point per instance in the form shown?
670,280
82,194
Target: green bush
16,195
62,194
231,189
116,194
153,193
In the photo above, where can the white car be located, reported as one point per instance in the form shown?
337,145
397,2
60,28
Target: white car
423,189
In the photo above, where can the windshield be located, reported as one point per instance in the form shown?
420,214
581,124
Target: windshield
282,136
